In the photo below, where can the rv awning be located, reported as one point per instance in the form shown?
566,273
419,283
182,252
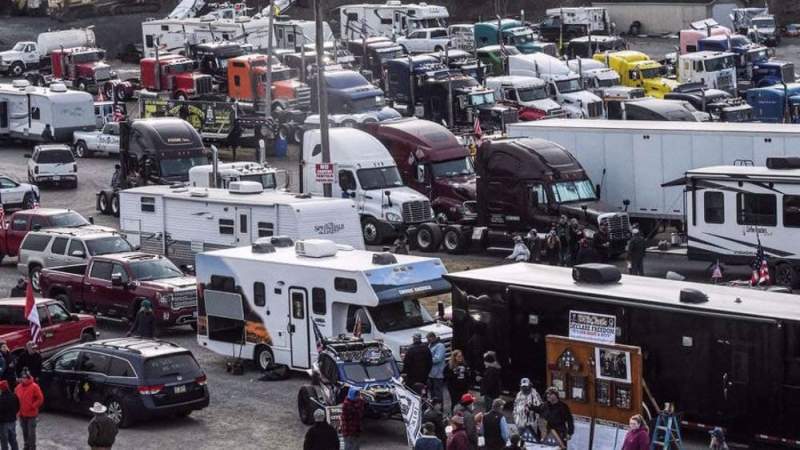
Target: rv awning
388,293
676,182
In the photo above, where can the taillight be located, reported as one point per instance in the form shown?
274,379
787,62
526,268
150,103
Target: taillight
201,380
150,390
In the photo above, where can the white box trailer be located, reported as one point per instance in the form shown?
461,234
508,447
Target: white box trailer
263,302
631,159
195,220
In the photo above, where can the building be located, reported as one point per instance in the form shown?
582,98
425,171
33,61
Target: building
666,16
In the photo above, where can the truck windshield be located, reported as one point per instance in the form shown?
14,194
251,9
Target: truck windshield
653,72
79,58
521,38
401,315
281,75
20,46
530,94
572,191
108,245
759,55
267,180
346,80
154,269
486,98
379,178
180,67
68,220
717,64
366,373
567,86
607,82
55,157
453,168
763,23
180,167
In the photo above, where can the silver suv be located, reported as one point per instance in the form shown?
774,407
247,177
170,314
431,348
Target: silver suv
56,247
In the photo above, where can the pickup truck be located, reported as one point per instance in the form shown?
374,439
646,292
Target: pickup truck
21,222
105,140
60,329
115,285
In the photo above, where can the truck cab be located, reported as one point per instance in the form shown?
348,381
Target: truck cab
749,56
379,50
247,78
776,104
513,33
349,93
689,39
721,105
24,54
588,46
529,94
83,67
495,58
176,75
636,69
716,70
227,173
213,57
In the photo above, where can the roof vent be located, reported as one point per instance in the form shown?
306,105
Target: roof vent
281,241
20,84
198,192
383,259
783,162
262,246
315,248
58,87
596,273
245,187
695,296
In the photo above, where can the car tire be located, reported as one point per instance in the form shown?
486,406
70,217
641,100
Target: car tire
82,151
118,412
183,414
371,229
786,275
115,205
103,203
305,405
438,48
66,302
263,358
429,237
34,274
28,201
88,336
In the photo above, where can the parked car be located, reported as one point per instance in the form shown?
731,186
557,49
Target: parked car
53,163
64,246
59,328
792,30
17,195
425,40
105,140
136,379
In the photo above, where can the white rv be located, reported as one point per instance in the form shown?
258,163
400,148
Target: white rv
227,173
173,35
263,302
390,19
294,34
179,222
595,19
44,114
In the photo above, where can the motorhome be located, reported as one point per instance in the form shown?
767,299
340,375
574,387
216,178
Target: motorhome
390,19
173,35
266,302
179,222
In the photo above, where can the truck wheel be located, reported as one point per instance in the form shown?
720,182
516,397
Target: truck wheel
263,358
429,237
786,275
35,275
371,229
81,150
120,93
298,134
115,205
453,240
82,85
16,69
103,203
305,405
88,336
66,301
349,123
108,91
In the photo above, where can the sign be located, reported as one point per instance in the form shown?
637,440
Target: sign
592,327
323,173
333,414
213,120
411,409
608,435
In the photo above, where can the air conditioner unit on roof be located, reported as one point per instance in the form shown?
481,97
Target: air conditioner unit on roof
315,248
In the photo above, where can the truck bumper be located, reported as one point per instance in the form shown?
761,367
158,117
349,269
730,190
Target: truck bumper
172,317
56,178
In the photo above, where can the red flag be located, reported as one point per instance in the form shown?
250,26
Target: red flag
476,127
716,275
763,275
31,313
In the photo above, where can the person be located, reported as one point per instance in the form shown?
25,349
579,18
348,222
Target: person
321,435
8,365
586,253
525,404
466,410
417,362
515,443
490,382
9,408
602,242
534,245
115,177
717,439
19,289
102,429
428,440
637,247
562,230
557,415
638,436
552,248
352,413
457,376
30,400
144,325
574,237
495,427
432,413
436,375
458,439
30,359
521,253
401,245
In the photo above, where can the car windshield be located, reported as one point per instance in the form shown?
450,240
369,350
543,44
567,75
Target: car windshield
55,157
717,64
453,168
68,220
571,191
154,269
567,86
608,82
532,93
653,72
108,245
179,364
739,41
367,373
180,167
379,178
400,315
267,179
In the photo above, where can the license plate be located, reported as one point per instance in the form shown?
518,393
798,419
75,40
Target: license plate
180,389
56,178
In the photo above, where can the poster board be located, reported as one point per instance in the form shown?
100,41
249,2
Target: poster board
583,433
608,435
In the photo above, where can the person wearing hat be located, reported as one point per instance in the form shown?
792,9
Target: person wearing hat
717,439
427,439
637,248
525,404
352,414
458,439
491,380
30,359
466,410
30,400
557,415
417,363
432,413
9,408
321,435
495,427
521,252
144,325
552,247
102,429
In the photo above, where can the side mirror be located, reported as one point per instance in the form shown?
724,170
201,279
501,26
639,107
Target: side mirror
189,268
116,280
78,254
36,227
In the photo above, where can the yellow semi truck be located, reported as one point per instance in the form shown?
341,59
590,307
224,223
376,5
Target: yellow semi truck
636,69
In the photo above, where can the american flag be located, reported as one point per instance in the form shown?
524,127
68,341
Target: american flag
476,127
358,327
320,340
31,313
716,274
760,268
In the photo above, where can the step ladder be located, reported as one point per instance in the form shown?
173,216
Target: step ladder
667,432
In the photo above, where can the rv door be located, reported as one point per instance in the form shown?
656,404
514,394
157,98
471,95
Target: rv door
298,328
243,225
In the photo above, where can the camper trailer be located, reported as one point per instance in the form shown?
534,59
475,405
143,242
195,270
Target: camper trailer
173,35
179,222
389,19
268,301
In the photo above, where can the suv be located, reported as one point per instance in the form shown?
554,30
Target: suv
59,328
135,378
346,362
53,163
425,41
64,246
17,195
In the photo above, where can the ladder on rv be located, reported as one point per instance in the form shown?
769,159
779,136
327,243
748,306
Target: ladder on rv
667,432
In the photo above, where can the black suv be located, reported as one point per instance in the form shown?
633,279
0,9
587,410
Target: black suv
135,378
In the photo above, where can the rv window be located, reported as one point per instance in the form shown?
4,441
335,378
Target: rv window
386,21
290,37
225,226
76,245
791,210
298,305
345,284
224,284
36,113
265,229
714,207
756,209
259,294
318,305
351,17
59,245
148,204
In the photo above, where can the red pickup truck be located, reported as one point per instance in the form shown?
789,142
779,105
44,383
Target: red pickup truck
18,224
115,285
59,328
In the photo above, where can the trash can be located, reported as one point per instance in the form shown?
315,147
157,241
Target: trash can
281,147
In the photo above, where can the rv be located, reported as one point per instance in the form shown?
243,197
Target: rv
268,301
174,35
390,19
294,34
179,222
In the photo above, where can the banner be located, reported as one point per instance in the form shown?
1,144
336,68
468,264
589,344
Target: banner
592,327
411,408
214,120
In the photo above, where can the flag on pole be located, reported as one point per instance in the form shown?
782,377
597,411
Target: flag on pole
358,326
716,274
760,267
31,313
476,127
320,340
410,408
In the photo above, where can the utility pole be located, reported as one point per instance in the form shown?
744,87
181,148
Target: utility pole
268,87
322,92
449,88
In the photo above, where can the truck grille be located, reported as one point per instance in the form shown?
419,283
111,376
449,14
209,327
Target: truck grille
417,211
556,113
302,97
510,116
184,299
725,82
619,226
595,109
203,85
102,73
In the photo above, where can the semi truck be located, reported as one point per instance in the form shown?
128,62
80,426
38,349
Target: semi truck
247,83
753,63
722,106
776,104
716,70
588,46
636,69
512,32
757,23
28,55
528,94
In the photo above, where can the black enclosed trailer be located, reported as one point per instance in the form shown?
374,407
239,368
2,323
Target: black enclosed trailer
725,356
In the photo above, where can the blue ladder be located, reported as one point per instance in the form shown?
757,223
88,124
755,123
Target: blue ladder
667,433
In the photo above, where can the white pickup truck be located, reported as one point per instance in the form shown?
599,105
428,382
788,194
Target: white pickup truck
105,140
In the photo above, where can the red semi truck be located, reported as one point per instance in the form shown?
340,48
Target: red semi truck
81,68
175,75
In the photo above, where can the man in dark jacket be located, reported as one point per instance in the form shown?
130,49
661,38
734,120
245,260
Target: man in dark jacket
9,408
432,415
417,362
495,427
321,435
8,365
144,325
19,289
491,380
466,411
30,359
427,439
636,250
557,415
102,429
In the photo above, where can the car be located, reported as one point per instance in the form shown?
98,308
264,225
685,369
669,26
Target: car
59,328
792,30
425,40
105,140
345,362
52,163
16,195
136,379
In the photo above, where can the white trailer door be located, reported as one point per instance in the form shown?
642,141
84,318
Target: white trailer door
299,329
676,156
243,227
647,177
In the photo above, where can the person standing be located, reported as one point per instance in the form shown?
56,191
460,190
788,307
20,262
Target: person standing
417,362
637,247
552,248
495,428
602,242
9,408
144,325
352,414
574,237
458,439
102,429
466,410
717,439
638,436
432,414
30,400
428,440
562,230
525,408
457,376
19,289
520,253
557,414
436,375
8,365
586,253
30,359
534,245
491,380
321,435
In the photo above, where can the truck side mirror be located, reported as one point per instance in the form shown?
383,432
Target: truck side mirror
116,279
420,173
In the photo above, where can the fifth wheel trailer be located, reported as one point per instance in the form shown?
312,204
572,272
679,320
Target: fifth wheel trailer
632,159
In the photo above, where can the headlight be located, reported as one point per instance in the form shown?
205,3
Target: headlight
379,100
393,217
164,299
